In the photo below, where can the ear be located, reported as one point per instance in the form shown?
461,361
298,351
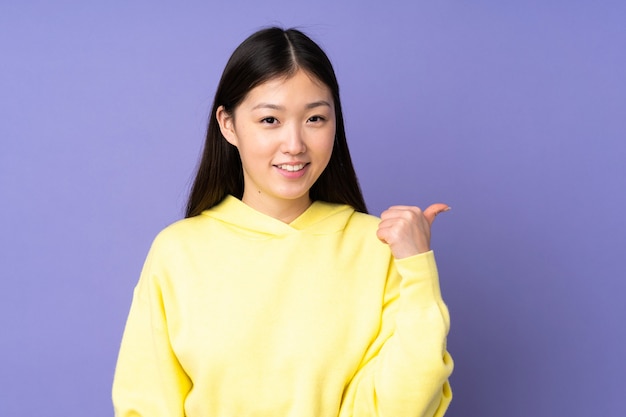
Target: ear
227,125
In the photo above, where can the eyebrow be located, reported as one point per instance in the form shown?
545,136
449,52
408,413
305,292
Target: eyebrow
278,107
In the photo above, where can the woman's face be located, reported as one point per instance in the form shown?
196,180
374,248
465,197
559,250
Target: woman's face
284,130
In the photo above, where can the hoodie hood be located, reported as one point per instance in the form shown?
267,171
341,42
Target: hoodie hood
320,218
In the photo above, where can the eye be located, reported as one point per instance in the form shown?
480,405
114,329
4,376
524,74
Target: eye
269,120
315,119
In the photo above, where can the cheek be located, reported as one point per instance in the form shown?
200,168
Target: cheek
329,148
329,143
251,155
250,145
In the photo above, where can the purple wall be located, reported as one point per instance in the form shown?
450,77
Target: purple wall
515,115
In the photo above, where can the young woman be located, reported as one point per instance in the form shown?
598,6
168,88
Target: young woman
278,295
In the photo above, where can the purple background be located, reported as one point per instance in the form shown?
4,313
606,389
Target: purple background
514,113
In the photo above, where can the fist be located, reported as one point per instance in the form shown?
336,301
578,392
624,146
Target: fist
406,229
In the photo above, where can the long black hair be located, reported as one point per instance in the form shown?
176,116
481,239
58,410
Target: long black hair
267,54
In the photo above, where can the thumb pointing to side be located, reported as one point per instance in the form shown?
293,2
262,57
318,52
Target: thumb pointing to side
406,229
433,210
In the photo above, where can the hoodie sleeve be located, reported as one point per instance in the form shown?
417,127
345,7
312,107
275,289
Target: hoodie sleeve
149,381
405,371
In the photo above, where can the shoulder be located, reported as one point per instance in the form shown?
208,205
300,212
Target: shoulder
324,217
361,229
185,230
363,222
365,219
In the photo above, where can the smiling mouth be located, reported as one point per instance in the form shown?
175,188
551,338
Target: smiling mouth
291,168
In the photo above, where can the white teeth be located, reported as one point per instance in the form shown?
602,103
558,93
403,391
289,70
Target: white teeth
291,168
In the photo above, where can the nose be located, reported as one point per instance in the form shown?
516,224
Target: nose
293,141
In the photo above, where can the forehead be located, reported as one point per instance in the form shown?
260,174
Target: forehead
300,88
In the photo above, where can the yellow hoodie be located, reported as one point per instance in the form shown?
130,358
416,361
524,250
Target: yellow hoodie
239,314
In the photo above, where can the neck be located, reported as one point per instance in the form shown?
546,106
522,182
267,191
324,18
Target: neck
284,210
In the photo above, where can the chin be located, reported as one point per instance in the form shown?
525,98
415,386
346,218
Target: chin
293,195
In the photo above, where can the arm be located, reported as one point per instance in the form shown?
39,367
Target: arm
149,380
405,371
